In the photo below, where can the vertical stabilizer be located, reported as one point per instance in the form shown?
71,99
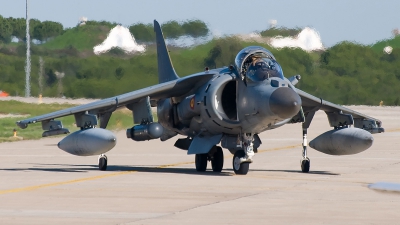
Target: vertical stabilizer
166,70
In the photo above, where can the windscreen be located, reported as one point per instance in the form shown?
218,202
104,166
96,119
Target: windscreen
256,64
260,69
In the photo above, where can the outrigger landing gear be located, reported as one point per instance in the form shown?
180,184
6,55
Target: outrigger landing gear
242,158
102,162
305,161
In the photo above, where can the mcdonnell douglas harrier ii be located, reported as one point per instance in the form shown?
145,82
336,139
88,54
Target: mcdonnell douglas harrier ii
229,106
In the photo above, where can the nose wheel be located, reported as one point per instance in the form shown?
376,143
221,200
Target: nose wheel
239,167
102,162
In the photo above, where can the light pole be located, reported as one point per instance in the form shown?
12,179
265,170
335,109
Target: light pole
60,76
28,56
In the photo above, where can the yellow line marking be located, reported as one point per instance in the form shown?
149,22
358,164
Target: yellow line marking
31,188
279,148
393,130
171,165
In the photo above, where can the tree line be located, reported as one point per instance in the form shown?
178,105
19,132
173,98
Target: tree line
43,31
144,32
171,29
16,27
280,31
347,73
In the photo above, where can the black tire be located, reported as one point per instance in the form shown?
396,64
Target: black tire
305,166
103,163
217,163
201,162
240,168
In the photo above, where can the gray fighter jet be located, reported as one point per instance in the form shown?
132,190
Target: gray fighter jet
229,106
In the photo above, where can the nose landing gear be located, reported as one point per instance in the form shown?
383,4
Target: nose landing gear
242,158
240,167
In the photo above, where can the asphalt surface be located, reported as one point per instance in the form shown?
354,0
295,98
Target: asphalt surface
155,183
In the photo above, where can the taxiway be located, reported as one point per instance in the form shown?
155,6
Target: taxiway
155,183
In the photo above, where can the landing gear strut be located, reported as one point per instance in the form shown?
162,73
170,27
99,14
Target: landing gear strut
305,161
102,162
243,158
240,168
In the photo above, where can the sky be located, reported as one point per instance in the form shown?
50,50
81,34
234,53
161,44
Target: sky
362,21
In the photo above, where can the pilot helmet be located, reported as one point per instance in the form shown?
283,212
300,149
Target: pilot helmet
257,64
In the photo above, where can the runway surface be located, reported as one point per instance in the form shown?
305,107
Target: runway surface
155,183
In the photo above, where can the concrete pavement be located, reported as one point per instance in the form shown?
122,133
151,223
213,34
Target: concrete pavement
155,183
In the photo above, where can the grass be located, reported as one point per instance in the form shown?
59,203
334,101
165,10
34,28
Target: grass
121,119
393,42
81,38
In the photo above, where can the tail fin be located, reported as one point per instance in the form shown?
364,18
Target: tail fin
166,70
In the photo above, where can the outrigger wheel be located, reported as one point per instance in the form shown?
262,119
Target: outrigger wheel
102,162
305,165
240,168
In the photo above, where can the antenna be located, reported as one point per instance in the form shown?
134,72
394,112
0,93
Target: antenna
272,23
28,57
59,76
82,21
396,32
41,64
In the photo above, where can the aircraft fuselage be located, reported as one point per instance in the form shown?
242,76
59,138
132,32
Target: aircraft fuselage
227,104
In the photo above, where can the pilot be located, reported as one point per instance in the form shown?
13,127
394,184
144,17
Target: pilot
259,68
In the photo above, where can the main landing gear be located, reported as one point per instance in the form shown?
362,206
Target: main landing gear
240,162
216,156
102,162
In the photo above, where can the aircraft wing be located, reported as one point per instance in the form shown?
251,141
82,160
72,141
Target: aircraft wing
338,114
172,88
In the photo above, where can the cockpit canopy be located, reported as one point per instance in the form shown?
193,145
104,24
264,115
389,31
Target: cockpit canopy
257,64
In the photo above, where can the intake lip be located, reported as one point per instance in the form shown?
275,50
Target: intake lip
284,102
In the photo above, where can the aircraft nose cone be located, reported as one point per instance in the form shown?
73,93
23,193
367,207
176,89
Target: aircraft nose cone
284,102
